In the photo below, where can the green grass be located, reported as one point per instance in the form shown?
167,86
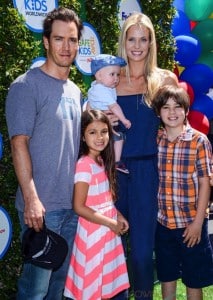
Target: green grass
181,292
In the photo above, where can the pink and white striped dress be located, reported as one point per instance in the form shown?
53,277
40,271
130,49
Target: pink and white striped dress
97,267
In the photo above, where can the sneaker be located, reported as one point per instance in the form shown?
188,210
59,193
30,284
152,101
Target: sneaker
121,167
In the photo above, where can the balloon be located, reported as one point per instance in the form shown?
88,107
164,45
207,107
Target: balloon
198,121
193,24
188,88
198,10
199,76
204,32
179,4
188,50
180,24
207,59
204,104
210,93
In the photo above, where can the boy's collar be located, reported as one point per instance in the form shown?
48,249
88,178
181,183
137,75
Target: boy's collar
185,135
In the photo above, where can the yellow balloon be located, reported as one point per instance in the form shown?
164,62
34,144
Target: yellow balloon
211,16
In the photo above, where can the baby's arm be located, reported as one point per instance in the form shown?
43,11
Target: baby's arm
80,207
116,109
88,107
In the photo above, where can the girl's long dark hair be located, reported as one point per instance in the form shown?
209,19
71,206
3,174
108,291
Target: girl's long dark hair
107,154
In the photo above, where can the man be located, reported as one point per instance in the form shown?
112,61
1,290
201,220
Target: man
43,113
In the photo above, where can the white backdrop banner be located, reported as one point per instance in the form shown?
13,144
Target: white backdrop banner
5,231
126,8
34,11
89,46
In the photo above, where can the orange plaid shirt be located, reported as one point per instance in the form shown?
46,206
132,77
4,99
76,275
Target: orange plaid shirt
180,164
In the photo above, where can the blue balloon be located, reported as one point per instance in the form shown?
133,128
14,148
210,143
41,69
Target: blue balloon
179,4
188,50
204,104
180,24
199,76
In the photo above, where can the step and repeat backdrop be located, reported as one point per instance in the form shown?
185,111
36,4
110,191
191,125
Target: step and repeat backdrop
192,28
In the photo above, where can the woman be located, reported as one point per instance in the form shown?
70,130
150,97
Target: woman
139,80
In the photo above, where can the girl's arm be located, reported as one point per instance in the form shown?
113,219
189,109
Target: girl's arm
124,221
80,196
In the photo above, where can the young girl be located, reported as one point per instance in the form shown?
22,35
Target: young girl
97,268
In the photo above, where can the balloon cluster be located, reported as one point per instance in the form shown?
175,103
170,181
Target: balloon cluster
192,28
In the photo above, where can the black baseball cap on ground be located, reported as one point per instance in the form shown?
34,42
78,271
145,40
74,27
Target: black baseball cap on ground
45,248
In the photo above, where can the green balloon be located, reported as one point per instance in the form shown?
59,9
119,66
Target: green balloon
204,33
197,10
206,59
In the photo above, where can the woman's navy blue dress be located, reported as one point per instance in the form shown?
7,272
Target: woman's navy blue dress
137,195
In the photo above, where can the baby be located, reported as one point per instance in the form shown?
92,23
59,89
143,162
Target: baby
102,96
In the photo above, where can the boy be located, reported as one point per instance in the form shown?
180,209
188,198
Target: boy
183,248
102,96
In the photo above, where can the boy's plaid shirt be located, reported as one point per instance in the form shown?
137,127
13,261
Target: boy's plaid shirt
180,164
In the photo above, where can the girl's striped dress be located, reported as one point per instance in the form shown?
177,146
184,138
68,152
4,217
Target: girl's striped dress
97,267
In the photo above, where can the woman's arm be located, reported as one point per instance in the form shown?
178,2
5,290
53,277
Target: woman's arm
170,78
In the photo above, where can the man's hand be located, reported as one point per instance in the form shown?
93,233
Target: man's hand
34,212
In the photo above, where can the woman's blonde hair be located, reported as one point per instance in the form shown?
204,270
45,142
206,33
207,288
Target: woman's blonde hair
151,72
